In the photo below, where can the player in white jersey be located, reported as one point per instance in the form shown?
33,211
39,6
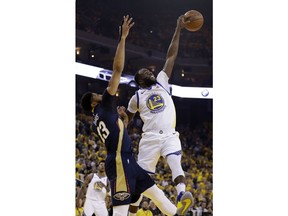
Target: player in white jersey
154,103
97,187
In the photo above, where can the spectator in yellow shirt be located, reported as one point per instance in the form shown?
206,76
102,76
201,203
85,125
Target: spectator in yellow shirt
144,211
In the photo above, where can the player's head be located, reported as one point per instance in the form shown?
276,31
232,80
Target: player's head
89,100
144,78
101,166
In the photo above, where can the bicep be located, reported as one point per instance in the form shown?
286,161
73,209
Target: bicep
87,180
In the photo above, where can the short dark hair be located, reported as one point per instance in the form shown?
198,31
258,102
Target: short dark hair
101,161
136,77
86,101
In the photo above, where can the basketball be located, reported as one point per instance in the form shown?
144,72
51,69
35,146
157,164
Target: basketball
196,20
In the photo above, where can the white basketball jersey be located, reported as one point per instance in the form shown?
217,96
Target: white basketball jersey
94,190
155,105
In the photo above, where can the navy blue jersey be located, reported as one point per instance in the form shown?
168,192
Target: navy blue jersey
127,178
109,127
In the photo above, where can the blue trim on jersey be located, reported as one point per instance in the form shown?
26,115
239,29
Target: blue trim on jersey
137,96
164,88
175,153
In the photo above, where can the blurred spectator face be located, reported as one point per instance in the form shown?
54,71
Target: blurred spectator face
145,205
94,169
152,204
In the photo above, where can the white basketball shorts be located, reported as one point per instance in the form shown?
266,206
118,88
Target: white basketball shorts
154,144
97,207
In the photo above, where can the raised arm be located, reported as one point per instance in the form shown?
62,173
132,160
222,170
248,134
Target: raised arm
173,47
119,58
83,189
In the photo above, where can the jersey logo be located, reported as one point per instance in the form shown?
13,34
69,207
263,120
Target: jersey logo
98,185
121,196
155,103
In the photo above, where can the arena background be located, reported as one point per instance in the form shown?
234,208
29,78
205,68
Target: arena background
96,40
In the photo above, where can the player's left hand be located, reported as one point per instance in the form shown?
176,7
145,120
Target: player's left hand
126,25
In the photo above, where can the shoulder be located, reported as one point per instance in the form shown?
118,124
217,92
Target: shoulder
90,176
135,96
162,74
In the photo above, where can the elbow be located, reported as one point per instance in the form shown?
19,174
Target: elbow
117,68
171,55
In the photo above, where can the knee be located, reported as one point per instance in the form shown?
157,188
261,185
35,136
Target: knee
180,179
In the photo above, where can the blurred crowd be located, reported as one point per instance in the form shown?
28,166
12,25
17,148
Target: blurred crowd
197,154
197,161
148,33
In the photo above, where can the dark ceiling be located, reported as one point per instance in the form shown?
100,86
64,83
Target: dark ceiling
98,32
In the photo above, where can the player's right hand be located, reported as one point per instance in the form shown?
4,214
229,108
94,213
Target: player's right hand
181,21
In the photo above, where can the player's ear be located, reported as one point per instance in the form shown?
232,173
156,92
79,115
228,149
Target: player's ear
99,98
141,82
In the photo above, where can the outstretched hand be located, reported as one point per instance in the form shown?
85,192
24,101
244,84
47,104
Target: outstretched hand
182,21
125,27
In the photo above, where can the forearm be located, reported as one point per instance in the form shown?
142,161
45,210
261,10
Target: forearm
80,193
172,52
118,63
83,188
107,189
174,45
119,59
125,121
123,115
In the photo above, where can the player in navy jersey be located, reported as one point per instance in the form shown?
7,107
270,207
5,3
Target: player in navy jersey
128,180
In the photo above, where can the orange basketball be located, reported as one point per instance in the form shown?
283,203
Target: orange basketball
196,20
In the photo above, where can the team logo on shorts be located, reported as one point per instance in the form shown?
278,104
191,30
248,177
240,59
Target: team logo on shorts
121,196
155,103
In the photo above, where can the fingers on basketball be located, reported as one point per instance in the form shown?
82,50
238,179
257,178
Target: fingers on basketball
194,20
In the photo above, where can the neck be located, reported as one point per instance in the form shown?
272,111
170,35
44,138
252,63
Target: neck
101,174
